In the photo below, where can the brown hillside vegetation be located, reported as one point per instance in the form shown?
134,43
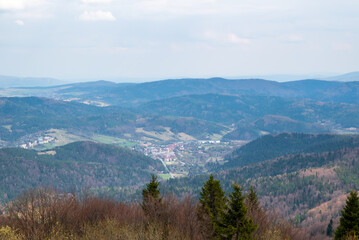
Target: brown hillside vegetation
48,214
310,197
318,218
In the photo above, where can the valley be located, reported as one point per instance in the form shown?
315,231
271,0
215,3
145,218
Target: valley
299,153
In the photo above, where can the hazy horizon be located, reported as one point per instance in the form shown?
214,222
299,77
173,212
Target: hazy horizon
271,77
159,39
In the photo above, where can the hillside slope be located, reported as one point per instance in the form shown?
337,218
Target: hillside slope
20,117
272,146
75,166
256,114
297,186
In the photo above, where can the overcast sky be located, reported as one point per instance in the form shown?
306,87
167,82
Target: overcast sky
105,39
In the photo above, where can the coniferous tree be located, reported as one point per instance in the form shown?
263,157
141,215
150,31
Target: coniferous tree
236,225
349,221
151,199
330,228
212,203
252,200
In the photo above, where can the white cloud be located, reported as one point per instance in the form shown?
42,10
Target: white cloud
220,37
178,8
13,5
96,1
235,39
97,16
171,8
19,22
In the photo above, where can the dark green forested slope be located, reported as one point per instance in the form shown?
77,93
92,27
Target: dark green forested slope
77,166
272,146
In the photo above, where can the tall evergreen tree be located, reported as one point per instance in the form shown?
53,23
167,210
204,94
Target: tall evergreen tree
212,202
236,225
151,199
252,201
330,228
349,221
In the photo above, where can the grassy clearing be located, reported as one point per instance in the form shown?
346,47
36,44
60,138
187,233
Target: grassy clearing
8,127
114,140
61,137
165,176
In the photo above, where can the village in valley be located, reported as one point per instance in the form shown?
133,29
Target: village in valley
189,157
181,158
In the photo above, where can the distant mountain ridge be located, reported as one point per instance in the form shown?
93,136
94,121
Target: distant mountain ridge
126,94
10,81
348,77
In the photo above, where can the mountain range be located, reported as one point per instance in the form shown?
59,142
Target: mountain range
122,94
300,144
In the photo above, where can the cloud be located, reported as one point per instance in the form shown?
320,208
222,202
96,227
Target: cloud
225,38
13,5
231,37
97,16
96,1
171,8
19,22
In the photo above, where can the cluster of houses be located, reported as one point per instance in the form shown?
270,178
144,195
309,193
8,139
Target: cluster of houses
38,141
166,153
170,153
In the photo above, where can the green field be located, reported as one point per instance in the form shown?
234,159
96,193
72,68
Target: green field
8,127
114,140
165,176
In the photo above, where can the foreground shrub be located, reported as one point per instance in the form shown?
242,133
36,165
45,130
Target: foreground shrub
6,233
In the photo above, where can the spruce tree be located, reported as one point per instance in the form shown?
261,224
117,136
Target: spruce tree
349,221
212,202
330,228
151,199
252,201
236,224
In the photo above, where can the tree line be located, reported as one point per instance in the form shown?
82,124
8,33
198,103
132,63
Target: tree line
44,213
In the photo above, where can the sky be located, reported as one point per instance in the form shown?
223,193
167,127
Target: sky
157,39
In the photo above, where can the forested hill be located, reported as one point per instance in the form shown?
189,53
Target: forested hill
259,112
77,166
272,146
23,116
